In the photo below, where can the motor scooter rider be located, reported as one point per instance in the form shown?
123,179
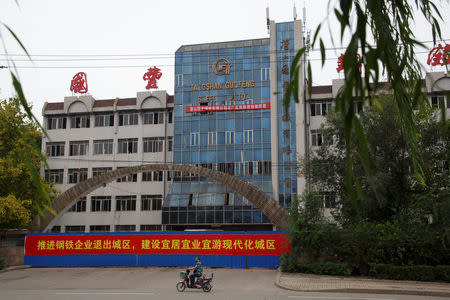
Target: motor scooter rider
197,270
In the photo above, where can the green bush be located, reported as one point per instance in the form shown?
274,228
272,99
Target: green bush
2,263
288,264
443,273
418,273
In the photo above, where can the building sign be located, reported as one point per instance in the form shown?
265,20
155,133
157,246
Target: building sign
151,76
199,244
221,66
439,56
202,108
79,83
340,62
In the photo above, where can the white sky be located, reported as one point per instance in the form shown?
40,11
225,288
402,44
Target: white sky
154,30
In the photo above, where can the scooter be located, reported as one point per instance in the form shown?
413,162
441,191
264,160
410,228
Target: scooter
201,283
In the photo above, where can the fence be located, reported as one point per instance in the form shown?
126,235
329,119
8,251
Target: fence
169,248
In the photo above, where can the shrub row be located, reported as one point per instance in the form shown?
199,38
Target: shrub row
2,263
325,268
418,273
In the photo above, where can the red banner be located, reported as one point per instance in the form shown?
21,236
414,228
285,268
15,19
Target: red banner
221,244
200,108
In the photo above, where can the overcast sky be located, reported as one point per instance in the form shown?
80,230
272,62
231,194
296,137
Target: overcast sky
138,34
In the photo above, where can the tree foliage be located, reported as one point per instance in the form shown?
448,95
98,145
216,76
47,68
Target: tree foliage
381,32
20,197
391,189
400,221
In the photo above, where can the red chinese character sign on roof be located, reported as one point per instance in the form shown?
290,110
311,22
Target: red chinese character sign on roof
151,76
79,83
340,62
439,56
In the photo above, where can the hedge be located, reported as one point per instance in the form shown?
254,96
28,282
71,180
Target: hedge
418,273
324,268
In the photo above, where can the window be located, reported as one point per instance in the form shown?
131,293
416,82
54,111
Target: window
153,144
125,228
148,227
320,108
104,120
55,149
265,74
127,145
153,176
153,117
99,171
125,203
56,228
179,80
55,175
212,138
103,147
77,175
101,203
79,121
79,206
358,106
128,118
248,136
99,228
169,143
151,202
56,122
75,228
436,101
229,137
170,117
195,138
78,148
316,138
267,167
329,200
128,178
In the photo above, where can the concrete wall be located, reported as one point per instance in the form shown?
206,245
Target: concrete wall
12,255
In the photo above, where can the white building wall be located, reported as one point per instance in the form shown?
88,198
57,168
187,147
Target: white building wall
113,160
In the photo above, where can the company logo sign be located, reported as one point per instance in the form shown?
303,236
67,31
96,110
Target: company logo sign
221,66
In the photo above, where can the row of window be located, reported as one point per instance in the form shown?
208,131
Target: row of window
107,119
107,228
246,137
123,203
129,145
77,175
265,76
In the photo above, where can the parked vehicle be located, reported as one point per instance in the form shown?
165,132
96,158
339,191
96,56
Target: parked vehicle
200,283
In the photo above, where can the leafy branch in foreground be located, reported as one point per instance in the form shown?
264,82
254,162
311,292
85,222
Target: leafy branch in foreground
42,199
386,25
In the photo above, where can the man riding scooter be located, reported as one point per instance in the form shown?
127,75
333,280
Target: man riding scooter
198,270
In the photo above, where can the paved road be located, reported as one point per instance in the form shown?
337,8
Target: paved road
154,283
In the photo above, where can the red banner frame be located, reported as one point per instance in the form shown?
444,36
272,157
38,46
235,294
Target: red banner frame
201,244
201,108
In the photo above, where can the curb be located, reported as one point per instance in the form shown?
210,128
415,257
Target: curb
12,268
366,291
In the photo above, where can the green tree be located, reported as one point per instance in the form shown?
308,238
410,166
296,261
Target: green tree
20,197
380,31
391,189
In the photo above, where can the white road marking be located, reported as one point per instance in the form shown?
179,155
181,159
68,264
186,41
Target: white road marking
347,298
102,293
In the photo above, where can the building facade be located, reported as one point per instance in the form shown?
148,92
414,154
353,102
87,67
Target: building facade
87,137
229,116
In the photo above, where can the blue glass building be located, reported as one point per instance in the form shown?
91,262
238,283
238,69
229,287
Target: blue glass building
214,84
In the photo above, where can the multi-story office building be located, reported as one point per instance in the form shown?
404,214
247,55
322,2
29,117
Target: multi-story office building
229,116
87,137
